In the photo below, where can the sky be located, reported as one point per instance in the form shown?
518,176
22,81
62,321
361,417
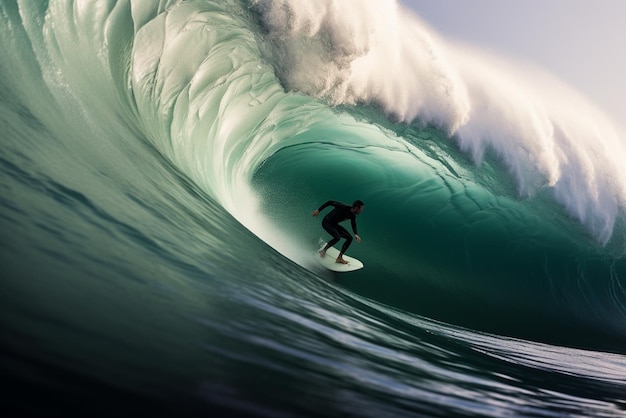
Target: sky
582,42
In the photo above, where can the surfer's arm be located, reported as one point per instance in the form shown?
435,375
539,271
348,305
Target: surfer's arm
356,234
353,222
329,203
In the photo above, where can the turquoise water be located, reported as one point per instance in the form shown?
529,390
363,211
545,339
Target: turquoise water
160,162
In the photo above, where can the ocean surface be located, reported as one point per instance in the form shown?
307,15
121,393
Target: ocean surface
159,164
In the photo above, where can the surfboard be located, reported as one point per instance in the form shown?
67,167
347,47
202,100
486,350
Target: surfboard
329,262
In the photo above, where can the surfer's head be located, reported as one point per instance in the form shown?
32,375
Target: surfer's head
357,206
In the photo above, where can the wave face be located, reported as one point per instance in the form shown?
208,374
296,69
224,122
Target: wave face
160,162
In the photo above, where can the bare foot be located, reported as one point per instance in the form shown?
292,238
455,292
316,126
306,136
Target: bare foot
340,260
322,253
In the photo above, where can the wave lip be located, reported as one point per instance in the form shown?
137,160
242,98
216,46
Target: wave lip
545,133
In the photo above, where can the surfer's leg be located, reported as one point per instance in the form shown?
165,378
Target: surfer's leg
332,230
344,234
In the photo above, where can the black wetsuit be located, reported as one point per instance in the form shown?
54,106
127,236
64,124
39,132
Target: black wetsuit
340,212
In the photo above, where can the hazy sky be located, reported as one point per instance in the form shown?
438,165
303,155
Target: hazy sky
582,42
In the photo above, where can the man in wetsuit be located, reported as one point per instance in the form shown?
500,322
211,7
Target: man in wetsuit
340,213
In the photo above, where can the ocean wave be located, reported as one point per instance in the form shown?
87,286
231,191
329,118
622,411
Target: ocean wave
264,105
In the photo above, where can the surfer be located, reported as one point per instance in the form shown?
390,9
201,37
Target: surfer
330,223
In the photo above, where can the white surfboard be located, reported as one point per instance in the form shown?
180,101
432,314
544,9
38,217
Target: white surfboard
329,262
